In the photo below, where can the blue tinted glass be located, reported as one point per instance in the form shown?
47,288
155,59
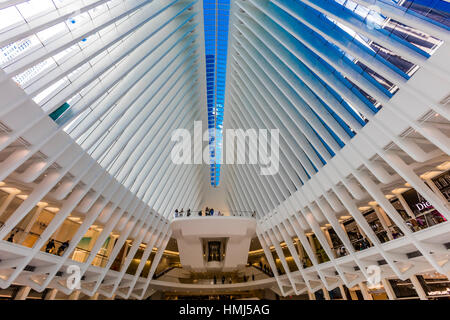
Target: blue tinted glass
216,21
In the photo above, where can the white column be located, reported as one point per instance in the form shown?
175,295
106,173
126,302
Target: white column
6,203
299,249
385,217
313,245
328,237
74,295
365,291
343,294
326,294
419,289
380,217
343,227
435,189
405,206
30,224
363,234
94,297
23,293
51,295
388,288
125,252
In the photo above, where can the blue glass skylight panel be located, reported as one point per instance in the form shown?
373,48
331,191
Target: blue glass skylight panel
216,22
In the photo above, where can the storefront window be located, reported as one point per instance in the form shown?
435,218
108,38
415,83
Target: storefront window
435,285
425,214
335,294
214,251
442,182
358,241
403,288
338,246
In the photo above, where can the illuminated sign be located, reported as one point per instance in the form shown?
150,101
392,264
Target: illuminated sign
439,292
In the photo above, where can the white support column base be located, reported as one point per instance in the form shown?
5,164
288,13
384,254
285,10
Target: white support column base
365,291
23,293
419,289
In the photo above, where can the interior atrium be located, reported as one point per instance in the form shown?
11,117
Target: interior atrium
104,195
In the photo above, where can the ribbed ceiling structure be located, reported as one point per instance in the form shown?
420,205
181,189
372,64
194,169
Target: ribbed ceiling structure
91,91
320,71
118,77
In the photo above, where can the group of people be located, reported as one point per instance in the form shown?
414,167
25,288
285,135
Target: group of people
341,251
245,278
208,212
266,269
51,247
181,213
359,242
188,213
12,235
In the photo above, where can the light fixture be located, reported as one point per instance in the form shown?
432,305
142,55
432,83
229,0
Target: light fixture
11,190
444,166
399,190
430,174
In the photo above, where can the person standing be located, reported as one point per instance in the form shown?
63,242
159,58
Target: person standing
11,237
63,248
50,246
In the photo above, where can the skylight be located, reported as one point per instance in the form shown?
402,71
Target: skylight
216,20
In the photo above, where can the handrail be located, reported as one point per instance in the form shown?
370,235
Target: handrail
161,273
268,273
232,213
193,215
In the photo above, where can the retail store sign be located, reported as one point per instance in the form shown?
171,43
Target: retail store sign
439,292
423,205
416,201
